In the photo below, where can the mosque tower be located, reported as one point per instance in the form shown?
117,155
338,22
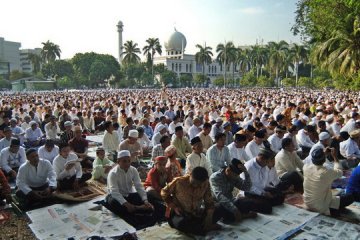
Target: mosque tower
120,26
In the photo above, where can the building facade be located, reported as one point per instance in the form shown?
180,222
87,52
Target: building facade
177,61
9,57
26,65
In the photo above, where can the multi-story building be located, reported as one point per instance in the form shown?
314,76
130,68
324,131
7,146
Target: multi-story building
9,56
26,65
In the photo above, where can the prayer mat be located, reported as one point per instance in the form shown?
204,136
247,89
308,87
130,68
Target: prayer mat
15,227
162,232
86,193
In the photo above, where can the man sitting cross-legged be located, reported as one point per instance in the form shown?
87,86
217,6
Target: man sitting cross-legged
68,170
223,183
36,179
184,197
126,195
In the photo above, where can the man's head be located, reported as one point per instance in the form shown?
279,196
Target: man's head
133,136
160,163
33,125
227,126
197,145
14,145
77,132
170,152
162,129
280,131
109,126
240,140
124,159
198,176
7,132
197,122
49,145
64,150
235,168
288,144
13,122
100,152
32,156
207,128
179,132
165,141
355,134
318,157
219,122
259,137
68,125
325,138
264,156
220,139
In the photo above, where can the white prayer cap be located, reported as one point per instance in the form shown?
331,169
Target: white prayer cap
305,118
67,124
123,153
32,123
324,136
161,127
133,133
219,120
329,118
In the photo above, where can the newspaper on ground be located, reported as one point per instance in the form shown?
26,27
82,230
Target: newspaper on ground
323,227
80,221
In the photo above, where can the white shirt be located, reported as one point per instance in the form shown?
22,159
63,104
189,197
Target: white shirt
59,167
120,184
4,143
156,138
296,145
335,128
33,135
275,143
172,127
303,139
30,176
89,123
157,114
349,148
11,160
238,153
144,141
317,187
252,149
194,131
110,141
44,154
25,125
195,160
261,177
349,126
213,115
286,161
52,131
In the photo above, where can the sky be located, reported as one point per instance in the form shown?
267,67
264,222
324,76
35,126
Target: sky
90,25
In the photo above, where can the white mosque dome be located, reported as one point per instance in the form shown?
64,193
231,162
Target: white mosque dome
176,42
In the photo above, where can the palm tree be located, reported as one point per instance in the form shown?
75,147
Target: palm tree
226,55
35,60
131,53
153,46
244,60
300,54
341,53
258,54
277,55
50,51
203,56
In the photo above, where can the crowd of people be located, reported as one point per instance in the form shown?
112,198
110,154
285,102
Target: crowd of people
202,144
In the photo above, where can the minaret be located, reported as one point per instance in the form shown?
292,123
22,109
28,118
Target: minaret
120,26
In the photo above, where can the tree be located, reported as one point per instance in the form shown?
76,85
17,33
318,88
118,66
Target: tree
243,59
131,52
258,55
153,46
186,80
58,69
50,51
226,56
16,74
200,79
300,54
35,61
203,56
168,77
248,80
277,54
98,73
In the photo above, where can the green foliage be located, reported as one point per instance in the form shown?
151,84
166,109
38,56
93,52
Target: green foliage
168,77
16,74
50,52
200,79
305,82
219,82
288,82
65,82
4,83
98,73
186,80
263,81
248,80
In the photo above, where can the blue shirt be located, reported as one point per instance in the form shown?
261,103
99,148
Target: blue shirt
148,131
354,181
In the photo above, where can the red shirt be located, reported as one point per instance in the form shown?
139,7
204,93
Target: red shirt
79,145
156,180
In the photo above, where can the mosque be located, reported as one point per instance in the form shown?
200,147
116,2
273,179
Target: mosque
176,60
